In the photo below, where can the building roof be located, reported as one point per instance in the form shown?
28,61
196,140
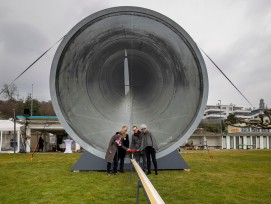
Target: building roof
7,125
39,117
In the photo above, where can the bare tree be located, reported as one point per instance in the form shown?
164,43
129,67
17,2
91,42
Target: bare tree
9,91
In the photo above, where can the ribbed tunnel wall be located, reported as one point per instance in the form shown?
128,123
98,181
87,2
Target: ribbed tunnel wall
168,82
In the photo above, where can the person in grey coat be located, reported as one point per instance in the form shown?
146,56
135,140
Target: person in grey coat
150,146
135,145
112,150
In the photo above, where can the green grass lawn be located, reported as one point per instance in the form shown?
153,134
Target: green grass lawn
241,176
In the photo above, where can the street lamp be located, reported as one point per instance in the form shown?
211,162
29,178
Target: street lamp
14,135
220,117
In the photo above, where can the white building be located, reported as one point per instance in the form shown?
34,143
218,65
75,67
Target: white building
246,138
29,130
222,111
8,140
235,138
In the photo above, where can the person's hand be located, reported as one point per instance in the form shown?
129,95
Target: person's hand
132,150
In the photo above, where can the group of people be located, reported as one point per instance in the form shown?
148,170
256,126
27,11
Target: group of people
143,145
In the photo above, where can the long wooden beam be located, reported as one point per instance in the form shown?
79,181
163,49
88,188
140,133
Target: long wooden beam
151,192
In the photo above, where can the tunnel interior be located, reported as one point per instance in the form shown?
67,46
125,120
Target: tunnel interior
127,68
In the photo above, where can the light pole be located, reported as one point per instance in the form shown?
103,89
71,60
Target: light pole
14,135
220,117
32,102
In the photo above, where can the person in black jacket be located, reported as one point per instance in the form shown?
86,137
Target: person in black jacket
41,144
122,151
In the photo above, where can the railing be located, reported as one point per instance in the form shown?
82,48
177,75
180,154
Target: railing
150,192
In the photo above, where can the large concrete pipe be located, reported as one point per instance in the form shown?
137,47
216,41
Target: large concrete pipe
128,65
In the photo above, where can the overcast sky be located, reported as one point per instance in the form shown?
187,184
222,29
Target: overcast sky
235,34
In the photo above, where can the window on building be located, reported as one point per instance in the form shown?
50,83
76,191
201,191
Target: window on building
231,142
264,142
245,129
241,140
255,130
254,141
224,142
248,140
265,130
237,141
258,142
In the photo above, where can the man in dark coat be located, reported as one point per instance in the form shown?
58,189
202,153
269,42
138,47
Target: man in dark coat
112,150
41,144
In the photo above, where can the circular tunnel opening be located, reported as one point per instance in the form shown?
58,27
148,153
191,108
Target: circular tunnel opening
128,66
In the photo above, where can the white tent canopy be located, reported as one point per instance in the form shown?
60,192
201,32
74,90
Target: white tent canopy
7,136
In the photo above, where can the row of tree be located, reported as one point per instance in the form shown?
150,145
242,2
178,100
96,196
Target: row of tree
8,106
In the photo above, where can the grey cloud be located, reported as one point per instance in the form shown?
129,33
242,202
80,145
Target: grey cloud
21,38
21,45
257,10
